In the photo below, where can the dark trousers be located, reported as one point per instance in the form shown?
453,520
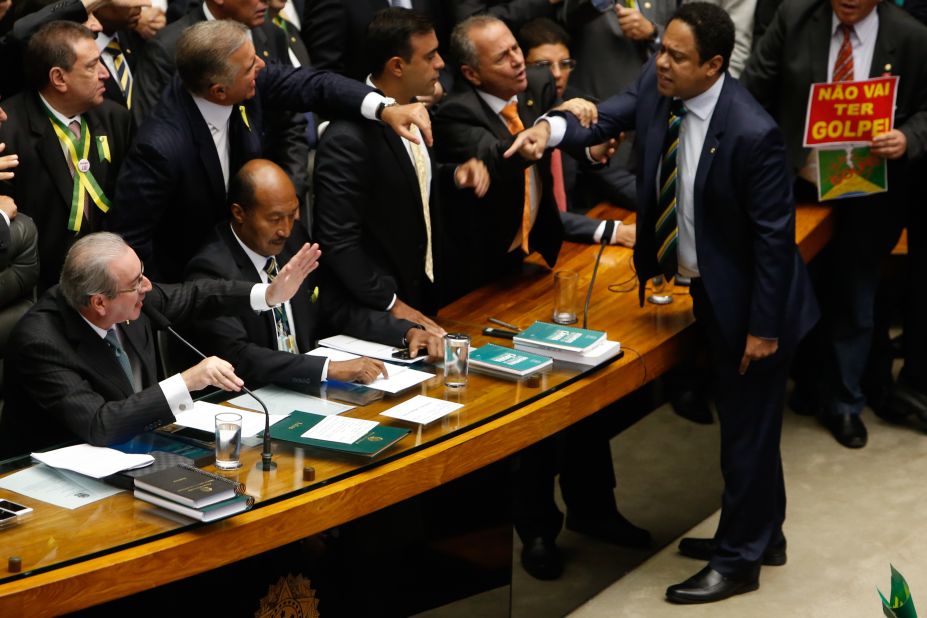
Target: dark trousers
750,413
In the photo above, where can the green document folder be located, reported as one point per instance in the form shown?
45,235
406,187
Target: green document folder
374,442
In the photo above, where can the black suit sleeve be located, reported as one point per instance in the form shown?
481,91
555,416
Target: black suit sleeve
306,89
340,188
19,259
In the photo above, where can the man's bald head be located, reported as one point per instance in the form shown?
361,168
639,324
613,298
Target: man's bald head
264,206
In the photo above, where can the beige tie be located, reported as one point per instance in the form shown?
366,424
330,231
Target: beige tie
515,126
422,174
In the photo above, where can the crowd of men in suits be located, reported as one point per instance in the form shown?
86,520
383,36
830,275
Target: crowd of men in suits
226,149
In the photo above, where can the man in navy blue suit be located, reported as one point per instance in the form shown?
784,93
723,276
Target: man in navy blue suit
715,204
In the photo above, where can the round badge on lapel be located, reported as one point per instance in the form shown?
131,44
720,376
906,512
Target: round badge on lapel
83,165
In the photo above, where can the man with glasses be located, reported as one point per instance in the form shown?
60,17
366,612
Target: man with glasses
82,360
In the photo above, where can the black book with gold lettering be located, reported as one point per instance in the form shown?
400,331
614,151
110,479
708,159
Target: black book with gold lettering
190,486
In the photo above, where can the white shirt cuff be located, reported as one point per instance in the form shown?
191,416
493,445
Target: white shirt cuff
557,129
370,104
597,237
5,218
325,369
176,393
259,297
391,304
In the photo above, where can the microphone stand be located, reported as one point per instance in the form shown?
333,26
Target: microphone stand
606,237
162,323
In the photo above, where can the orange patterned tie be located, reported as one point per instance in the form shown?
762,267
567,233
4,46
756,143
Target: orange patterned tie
515,126
843,65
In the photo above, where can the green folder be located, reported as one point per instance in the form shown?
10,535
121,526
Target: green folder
374,442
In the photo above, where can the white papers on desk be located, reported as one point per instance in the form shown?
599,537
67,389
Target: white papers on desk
68,490
422,409
93,461
203,416
343,429
400,378
283,401
361,347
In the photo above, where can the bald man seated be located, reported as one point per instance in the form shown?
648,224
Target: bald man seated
82,361
269,347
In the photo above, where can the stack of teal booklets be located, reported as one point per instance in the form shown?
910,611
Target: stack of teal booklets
493,358
570,344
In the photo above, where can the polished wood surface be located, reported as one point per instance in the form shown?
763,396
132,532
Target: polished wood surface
112,548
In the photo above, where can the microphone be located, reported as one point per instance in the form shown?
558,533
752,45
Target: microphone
160,322
606,237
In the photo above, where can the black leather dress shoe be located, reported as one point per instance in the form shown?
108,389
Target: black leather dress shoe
708,586
541,559
704,549
848,429
614,529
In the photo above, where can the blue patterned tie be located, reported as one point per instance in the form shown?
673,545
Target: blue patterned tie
120,353
285,340
666,228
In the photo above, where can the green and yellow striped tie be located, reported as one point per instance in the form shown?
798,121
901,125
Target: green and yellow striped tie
666,228
123,77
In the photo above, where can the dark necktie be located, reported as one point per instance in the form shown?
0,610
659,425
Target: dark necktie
666,227
120,354
285,340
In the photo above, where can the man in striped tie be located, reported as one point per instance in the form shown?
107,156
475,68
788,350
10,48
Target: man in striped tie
715,204
119,47
813,41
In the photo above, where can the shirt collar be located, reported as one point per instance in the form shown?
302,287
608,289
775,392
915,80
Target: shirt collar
702,105
100,331
259,261
103,40
214,114
495,103
865,30
61,117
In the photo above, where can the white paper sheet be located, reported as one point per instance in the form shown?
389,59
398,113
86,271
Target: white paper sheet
283,401
68,490
340,429
400,378
93,461
422,409
362,347
203,416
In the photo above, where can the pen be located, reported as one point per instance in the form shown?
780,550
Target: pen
501,323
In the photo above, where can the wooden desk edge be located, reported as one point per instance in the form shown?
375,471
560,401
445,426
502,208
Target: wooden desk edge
184,554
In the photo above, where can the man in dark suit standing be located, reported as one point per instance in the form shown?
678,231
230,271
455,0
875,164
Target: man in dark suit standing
270,347
82,363
378,208
803,46
120,48
715,203
70,141
495,101
210,122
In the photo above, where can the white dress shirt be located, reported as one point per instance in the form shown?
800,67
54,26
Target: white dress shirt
259,262
865,32
217,119
65,120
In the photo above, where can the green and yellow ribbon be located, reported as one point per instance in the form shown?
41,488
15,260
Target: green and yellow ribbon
83,180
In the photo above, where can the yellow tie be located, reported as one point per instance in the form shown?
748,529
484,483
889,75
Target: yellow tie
421,173
515,126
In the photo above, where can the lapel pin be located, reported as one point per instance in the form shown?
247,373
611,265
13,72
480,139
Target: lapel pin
529,102
888,67
712,150
266,53
647,5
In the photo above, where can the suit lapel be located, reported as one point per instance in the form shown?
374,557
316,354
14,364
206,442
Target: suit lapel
96,354
247,272
401,155
653,154
206,147
138,337
710,147
883,55
49,149
818,42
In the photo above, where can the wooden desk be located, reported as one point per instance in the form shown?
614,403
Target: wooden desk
118,546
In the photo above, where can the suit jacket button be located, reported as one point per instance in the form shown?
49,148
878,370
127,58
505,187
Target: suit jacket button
182,407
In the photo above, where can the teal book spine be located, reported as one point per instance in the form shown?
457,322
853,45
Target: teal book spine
499,358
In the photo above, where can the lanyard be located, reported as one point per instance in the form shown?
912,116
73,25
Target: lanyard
83,178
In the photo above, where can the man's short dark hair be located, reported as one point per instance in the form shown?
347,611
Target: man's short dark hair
390,34
542,31
712,28
52,46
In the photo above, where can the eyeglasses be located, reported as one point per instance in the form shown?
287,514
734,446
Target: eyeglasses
139,283
567,64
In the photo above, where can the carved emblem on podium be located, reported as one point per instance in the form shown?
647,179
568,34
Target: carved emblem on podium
291,597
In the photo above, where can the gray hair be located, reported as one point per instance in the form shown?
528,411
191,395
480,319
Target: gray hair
462,48
86,268
203,53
